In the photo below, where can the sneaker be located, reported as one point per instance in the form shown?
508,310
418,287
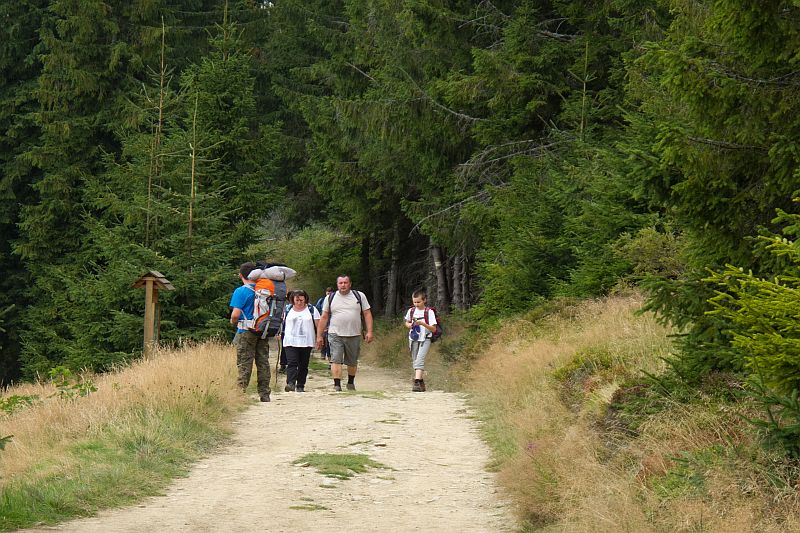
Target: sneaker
265,398
421,386
416,387
351,386
337,388
300,389
288,388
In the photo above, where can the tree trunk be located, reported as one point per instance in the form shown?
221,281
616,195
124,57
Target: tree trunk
376,275
391,282
458,295
363,275
439,266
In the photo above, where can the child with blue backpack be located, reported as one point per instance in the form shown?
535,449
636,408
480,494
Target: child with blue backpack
421,323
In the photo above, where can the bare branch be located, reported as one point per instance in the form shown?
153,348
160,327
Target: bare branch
786,80
489,165
728,145
441,107
556,36
362,72
480,195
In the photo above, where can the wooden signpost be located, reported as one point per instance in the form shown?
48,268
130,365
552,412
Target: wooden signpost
152,281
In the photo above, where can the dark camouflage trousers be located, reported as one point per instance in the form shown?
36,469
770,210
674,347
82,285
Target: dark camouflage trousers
252,348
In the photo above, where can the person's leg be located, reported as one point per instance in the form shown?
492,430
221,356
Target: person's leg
302,368
292,360
413,347
245,353
337,358
419,363
352,348
326,347
262,367
282,360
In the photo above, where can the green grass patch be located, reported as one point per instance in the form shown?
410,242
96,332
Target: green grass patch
688,475
318,365
373,394
135,457
338,465
309,507
394,418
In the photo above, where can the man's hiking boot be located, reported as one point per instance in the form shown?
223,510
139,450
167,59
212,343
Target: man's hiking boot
337,388
416,387
421,385
300,389
289,388
264,397
351,386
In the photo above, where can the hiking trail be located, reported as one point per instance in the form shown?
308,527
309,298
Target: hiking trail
436,478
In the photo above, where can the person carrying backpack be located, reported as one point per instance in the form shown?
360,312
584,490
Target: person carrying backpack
250,347
325,351
342,312
421,323
299,334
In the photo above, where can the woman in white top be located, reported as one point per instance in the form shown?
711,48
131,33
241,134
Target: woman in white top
299,335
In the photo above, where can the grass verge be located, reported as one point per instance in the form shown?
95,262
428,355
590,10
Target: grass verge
71,456
582,442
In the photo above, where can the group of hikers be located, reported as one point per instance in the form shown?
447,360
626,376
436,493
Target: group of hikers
335,325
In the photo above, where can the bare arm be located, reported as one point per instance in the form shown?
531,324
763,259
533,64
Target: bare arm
321,325
235,314
368,321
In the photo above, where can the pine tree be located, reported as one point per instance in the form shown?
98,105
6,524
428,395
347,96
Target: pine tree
19,68
719,98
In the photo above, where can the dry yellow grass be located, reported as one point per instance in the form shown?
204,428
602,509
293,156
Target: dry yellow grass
565,473
181,379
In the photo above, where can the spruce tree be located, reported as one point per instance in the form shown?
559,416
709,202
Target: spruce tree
719,100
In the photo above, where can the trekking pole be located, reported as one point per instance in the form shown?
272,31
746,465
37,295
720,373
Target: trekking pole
279,336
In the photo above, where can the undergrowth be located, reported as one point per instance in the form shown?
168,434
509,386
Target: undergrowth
593,429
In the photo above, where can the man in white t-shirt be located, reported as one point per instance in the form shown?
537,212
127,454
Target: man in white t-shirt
341,315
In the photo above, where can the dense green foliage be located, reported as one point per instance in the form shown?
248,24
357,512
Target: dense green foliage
497,153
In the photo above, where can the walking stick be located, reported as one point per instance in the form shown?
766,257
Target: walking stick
279,336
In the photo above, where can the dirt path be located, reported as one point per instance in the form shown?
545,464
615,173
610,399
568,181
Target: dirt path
436,482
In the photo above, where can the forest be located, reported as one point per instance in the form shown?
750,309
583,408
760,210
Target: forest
499,153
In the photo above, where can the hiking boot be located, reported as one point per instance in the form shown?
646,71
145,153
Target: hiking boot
421,386
264,398
300,389
288,388
337,388
351,386
416,387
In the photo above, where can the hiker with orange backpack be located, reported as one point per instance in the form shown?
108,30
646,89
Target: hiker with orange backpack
250,346
421,323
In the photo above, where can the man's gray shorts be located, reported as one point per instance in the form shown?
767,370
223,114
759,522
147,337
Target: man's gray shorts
344,349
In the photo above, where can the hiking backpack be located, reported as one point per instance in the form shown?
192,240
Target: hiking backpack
270,298
437,333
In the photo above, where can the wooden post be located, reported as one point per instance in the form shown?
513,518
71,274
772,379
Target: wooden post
149,318
152,282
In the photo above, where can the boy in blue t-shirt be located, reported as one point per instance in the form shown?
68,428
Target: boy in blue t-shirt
250,347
